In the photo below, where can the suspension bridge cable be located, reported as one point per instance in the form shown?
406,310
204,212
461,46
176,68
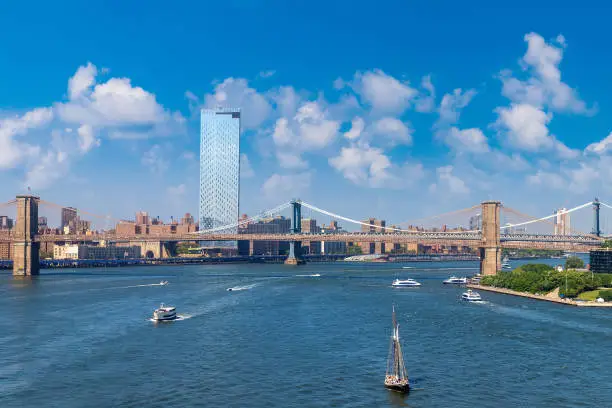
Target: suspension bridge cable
548,216
328,213
106,217
410,222
575,231
254,218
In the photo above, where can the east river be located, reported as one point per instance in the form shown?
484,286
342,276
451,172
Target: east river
281,338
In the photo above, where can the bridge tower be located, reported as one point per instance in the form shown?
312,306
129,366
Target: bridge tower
25,249
596,206
490,249
295,247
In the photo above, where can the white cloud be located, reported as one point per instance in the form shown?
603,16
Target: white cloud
426,103
176,191
548,179
285,187
383,92
154,160
451,105
525,127
47,169
12,151
544,88
236,93
87,138
83,79
466,140
392,130
310,129
357,126
447,181
246,171
188,156
124,110
601,147
363,165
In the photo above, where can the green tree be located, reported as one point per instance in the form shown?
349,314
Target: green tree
607,243
573,262
353,250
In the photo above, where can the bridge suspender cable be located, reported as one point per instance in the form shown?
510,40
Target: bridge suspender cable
254,218
548,216
328,213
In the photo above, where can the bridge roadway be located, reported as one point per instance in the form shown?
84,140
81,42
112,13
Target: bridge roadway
470,239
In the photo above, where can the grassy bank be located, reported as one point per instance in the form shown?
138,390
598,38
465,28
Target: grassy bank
542,279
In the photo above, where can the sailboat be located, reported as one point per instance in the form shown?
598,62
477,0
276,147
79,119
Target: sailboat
396,378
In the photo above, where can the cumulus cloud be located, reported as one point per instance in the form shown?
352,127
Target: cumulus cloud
544,87
236,93
363,165
87,138
13,151
601,147
383,92
283,187
309,129
392,131
447,181
451,105
426,102
357,126
467,140
246,171
176,191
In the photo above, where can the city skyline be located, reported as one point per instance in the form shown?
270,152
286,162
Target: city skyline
397,135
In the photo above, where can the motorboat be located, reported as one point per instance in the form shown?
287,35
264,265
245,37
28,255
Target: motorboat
400,283
163,283
505,264
455,280
475,279
164,313
471,296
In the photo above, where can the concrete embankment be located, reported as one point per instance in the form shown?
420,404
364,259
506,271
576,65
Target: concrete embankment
539,297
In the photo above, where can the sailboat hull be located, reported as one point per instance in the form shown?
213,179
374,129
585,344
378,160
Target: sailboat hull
403,388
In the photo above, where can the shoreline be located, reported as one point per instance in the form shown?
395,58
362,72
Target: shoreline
511,292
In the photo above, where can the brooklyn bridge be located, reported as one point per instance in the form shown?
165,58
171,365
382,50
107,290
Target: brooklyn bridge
488,240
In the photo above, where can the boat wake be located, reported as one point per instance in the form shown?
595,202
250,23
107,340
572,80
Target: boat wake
314,275
179,317
239,288
139,286
407,267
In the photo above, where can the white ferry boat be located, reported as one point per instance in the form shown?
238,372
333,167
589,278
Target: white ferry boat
164,313
399,283
471,296
455,280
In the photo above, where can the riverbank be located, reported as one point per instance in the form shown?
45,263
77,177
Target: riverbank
547,298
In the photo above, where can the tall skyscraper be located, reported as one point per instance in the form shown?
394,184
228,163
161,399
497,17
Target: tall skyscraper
562,222
69,214
219,169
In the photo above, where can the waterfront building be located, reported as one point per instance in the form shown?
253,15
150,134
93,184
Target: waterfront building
475,222
600,260
95,252
374,226
42,223
275,225
219,170
142,218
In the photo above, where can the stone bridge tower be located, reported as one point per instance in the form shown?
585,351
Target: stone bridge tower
490,248
25,250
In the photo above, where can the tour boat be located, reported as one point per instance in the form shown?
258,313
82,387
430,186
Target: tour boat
471,296
399,283
396,378
456,281
164,313
476,279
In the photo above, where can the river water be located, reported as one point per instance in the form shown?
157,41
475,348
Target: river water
83,338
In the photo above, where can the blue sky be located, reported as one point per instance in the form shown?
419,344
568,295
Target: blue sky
395,109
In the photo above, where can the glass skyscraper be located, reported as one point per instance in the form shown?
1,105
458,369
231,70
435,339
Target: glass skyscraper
219,170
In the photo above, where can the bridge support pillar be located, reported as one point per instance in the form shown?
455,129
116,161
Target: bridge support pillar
596,206
295,247
490,248
25,249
